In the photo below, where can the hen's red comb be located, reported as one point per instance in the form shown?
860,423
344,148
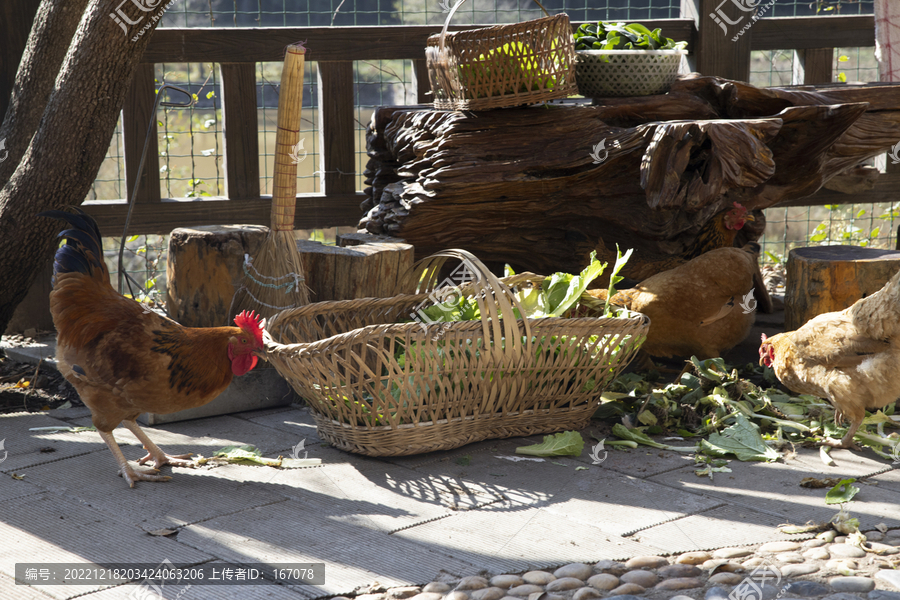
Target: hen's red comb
250,322
740,207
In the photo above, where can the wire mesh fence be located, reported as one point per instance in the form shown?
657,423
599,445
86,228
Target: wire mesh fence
191,145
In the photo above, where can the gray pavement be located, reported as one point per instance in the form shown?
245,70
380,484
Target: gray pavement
385,522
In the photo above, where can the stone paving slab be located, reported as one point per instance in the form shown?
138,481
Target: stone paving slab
508,537
192,495
716,528
270,591
10,591
295,420
889,480
24,447
50,528
355,556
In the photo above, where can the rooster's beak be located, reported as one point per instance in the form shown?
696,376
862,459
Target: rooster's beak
749,217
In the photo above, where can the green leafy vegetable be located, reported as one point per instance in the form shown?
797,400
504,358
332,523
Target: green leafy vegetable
844,491
636,436
741,439
621,36
564,443
614,277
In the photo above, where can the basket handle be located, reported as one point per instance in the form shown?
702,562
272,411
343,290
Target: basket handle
453,11
498,319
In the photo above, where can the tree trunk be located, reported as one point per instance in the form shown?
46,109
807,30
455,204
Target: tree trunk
63,157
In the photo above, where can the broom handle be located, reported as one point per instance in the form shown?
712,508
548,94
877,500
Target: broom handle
290,103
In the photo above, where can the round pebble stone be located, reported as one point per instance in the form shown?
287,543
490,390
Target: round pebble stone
610,566
726,578
473,582
693,558
427,596
852,584
538,577
840,539
874,536
679,583
828,536
841,596
883,549
506,581
716,593
752,563
510,598
678,570
790,558
846,551
586,593
577,570
718,566
883,595
564,584
841,565
891,577
817,554
795,570
644,579
814,543
489,593
779,547
732,553
646,562
525,590
806,589
436,587
403,592
626,589
681,597
454,595
545,596
893,533
369,596
603,581
624,597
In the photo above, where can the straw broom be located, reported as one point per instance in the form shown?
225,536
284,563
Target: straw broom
273,280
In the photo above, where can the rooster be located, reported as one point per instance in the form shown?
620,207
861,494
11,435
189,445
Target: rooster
851,357
125,360
703,307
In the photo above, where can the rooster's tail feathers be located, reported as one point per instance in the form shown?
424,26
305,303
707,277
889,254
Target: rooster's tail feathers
83,250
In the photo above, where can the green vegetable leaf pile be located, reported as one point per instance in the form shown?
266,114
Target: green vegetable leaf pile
559,292
621,36
565,443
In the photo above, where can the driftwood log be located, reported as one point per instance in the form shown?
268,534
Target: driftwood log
828,278
542,187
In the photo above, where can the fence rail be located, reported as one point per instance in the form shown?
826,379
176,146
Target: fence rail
237,50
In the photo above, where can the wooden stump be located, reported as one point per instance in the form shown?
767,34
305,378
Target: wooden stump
365,270
824,279
205,267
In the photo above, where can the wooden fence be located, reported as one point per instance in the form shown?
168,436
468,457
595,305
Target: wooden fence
237,50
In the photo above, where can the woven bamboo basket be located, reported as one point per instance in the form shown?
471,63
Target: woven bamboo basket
383,388
503,65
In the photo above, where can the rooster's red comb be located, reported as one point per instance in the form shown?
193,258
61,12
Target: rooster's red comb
764,337
252,323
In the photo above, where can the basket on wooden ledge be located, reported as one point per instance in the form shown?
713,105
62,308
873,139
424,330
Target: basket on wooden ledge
384,388
611,73
502,65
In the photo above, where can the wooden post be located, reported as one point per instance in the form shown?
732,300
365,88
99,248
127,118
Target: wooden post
240,130
368,270
722,44
136,116
421,81
813,65
337,146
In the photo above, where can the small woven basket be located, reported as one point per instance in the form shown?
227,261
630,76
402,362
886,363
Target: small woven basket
608,73
383,388
503,65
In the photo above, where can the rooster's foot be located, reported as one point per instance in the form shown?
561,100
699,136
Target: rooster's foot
160,459
844,443
131,475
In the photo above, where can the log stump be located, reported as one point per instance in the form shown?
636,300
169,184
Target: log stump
205,268
824,279
365,270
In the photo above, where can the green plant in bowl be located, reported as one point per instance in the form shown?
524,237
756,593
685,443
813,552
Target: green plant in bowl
622,36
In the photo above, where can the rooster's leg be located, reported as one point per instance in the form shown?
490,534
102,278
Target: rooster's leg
847,440
125,469
159,457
